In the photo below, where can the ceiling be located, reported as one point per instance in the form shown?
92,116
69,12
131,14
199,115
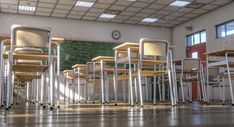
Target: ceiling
129,12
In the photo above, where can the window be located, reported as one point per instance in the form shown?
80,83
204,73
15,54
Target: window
194,55
225,29
196,38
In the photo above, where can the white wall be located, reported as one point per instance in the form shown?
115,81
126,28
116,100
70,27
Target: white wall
207,22
84,30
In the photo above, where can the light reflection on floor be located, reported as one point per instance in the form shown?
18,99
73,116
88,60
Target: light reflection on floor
97,115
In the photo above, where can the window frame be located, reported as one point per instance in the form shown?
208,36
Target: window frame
198,32
225,28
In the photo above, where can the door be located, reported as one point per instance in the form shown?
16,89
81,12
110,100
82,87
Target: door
196,47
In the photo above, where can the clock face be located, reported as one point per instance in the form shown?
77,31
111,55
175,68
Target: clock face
116,35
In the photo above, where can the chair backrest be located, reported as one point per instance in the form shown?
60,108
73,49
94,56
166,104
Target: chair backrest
190,65
213,73
24,36
90,68
153,47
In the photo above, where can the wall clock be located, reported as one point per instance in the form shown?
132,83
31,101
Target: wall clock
116,35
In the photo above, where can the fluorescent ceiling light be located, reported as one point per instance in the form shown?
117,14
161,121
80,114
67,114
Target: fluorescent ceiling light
107,16
180,3
84,4
149,20
27,8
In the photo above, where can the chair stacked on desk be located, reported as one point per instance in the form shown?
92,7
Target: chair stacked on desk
27,61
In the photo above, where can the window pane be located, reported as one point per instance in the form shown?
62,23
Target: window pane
196,38
221,31
190,40
230,28
194,55
203,36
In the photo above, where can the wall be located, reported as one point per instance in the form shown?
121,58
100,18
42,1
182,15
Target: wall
84,30
207,22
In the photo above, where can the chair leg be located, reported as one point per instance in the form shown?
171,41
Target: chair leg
135,87
154,91
182,89
140,87
146,89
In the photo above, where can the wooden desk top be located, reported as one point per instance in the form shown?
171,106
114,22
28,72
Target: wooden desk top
126,45
58,40
69,71
220,52
29,68
104,58
78,65
26,56
132,45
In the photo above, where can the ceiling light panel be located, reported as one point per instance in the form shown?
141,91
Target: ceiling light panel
84,4
107,16
27,8
149,20
180,3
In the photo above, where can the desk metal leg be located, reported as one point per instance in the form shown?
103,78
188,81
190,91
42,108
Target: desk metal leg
102,83
229,79
130,78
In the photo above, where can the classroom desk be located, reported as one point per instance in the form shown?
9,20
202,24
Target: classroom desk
130,48
225,63
80,70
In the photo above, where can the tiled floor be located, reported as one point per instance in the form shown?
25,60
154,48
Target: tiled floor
89,115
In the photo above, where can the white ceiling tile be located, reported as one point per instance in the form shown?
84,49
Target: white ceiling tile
103,19
92,14
9,1
77,13
44,9
26,12
135,9
143,23
142,15
67,2
204,1
61,11
46,5
117,7
80,8
128,13
117,20
123,2
161,12
136,18
9,6
74,16
156,6
96,10
89,18
185,10
8,10
59,15
177,14
42,14
148,11
96,5
139,4
48,1
199,11
221,2
209,7
121,17
106,1
164,1
28,3
66,7
131,21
